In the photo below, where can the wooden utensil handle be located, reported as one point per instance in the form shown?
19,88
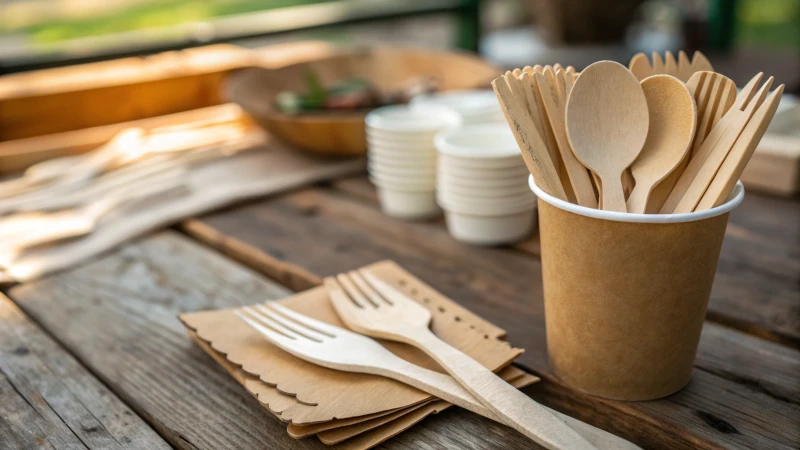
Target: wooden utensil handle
513,407
613,195
447,388
637,202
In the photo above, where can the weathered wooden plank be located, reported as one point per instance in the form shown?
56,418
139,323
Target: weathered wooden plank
49,400
723,406
756,287
119,316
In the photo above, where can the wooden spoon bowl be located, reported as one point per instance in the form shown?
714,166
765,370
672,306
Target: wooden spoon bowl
673,120
607,123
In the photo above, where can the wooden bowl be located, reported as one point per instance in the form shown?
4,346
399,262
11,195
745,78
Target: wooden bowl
342,133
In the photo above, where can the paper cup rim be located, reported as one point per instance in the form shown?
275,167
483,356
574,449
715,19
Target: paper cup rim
734,200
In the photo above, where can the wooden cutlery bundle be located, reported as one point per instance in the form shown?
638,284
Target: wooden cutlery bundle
668,137
68,197
298,357
149,174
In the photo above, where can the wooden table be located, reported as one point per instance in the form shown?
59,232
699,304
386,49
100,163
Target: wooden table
95,357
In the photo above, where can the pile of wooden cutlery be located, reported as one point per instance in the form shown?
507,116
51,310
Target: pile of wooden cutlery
68,197
664,137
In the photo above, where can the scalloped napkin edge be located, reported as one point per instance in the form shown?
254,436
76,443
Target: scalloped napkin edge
321,394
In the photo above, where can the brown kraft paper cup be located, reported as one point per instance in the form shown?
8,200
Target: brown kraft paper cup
625,295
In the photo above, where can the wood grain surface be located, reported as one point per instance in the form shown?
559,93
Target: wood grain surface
123,327
725,406
49,400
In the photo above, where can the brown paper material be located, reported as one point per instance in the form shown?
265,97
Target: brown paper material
341,395
625,302
374,437
335,435
378,430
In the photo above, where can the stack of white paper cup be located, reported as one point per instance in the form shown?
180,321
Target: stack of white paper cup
482,185
402,158
474,106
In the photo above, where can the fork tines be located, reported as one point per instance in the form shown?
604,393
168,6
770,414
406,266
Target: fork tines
682,69
706,162
279,323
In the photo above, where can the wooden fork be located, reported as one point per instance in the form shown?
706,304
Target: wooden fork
371,306
36,229
707,159
682,69
336,348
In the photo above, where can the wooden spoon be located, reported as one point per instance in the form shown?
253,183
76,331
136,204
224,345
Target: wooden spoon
607,123
673,119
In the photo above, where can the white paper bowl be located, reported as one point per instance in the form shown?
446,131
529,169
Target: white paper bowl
403,119
376,137
511,162
476,183
520,173
403,183
411,151
482,192
500,205
405,172
408,204
467,103
403,161
484,141
481,179
489,230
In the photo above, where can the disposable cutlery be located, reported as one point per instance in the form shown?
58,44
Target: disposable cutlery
127,147
370,306
555,88
55,197
706,161
607,123
714,95
734,164
535,105
339,349
524,127
682,69
673,117
73,168
46,228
